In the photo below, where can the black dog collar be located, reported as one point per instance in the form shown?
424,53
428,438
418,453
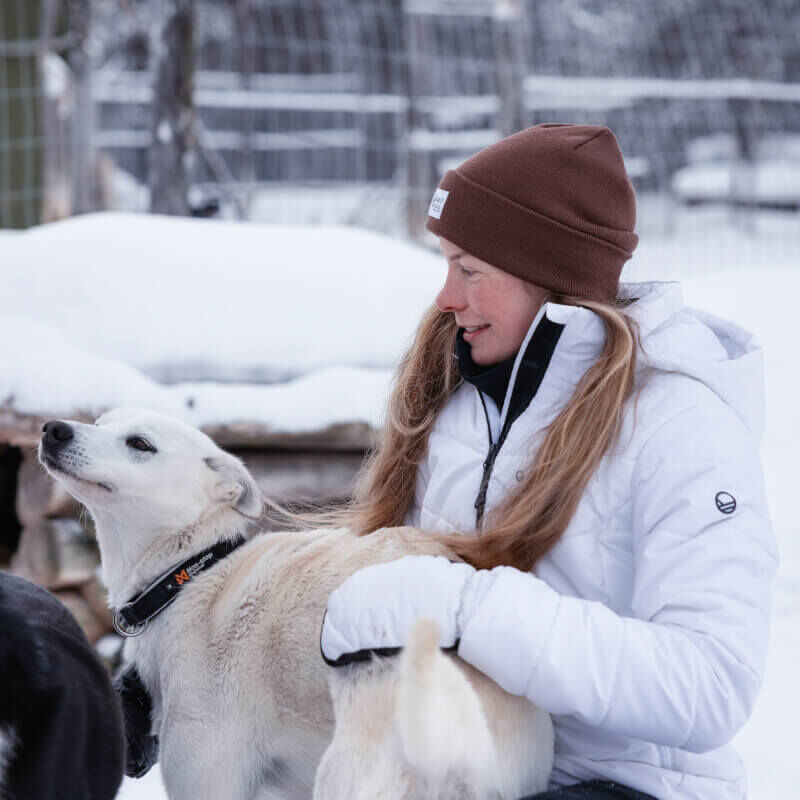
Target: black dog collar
132,618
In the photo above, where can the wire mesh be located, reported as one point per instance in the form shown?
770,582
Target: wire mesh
350,110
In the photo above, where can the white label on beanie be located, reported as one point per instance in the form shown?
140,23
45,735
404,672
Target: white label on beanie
437,204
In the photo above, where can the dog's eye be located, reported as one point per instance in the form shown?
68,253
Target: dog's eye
140,443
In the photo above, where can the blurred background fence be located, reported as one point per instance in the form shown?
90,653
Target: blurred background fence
350,110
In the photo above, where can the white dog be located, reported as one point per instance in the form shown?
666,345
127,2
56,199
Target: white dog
230,652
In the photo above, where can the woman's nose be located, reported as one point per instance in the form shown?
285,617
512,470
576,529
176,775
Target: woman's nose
450,298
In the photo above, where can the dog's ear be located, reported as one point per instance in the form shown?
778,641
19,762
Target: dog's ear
235,486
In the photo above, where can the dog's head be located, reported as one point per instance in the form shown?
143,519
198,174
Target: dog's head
139,465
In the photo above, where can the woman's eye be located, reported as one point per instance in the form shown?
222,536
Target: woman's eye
139,443
466,272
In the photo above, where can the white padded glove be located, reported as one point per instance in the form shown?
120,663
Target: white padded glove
376,608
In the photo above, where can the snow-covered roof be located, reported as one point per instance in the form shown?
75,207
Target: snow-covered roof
290,328
195,299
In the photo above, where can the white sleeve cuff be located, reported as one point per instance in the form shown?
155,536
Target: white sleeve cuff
507,618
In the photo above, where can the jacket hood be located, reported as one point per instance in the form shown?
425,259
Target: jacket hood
720,354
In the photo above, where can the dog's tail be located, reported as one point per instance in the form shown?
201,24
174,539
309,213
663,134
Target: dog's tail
440,720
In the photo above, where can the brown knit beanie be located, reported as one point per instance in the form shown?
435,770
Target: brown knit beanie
551,204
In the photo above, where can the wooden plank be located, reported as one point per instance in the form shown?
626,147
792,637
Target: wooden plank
25,430
291,477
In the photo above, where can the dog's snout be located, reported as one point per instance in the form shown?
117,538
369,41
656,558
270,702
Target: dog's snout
56,432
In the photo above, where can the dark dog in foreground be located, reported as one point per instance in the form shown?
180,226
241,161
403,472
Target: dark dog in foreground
61,733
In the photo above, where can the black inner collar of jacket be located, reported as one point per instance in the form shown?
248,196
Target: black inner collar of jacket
494,378
132,618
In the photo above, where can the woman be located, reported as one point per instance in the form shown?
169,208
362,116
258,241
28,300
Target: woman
599,443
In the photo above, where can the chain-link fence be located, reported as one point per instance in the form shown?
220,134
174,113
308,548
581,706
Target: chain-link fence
350,110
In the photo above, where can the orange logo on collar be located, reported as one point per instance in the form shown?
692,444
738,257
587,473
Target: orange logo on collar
182,577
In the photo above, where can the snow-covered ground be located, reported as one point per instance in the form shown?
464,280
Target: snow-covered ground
96,311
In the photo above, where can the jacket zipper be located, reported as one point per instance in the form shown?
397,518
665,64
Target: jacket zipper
550,334
488,465
480,500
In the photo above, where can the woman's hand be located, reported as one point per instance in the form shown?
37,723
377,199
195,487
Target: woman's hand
374,610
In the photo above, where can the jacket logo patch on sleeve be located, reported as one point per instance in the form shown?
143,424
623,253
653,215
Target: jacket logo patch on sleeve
726,503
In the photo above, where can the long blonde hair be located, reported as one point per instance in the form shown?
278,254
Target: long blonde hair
531,519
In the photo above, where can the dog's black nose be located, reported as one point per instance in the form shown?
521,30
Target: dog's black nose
56,432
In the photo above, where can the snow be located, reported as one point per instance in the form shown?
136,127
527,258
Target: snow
773,180
121,90
192,301
57,82
48,375
150,787
196,299
631,88
370,205
98,310
421,139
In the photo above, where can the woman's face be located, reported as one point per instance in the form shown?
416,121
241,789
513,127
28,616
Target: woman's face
494,308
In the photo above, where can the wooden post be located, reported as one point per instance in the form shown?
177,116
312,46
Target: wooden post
85,194
58,123
417,166
743,167
173,112
246,32
511,63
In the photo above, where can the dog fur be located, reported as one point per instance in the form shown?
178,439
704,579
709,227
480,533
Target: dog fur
6,747
243,703
61,734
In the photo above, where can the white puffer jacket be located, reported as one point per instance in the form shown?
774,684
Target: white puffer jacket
646,636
